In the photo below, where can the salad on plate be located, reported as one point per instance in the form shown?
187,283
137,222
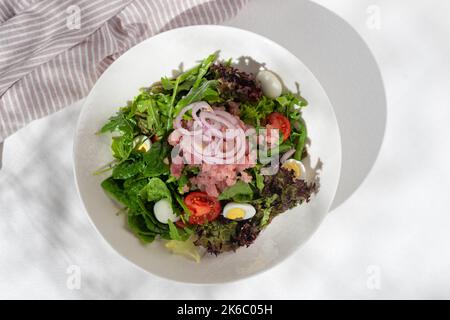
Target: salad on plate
207,159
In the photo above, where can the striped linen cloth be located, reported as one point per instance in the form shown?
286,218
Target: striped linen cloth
52,52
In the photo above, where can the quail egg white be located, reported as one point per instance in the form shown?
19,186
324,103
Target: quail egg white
164,212
296,166
270,84
238,211
142,143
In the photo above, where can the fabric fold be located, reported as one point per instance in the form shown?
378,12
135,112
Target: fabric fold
54,67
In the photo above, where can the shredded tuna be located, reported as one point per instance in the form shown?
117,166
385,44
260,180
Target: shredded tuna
233,108
176,169
214,178
246,177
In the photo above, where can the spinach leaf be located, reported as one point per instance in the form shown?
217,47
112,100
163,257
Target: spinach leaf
239,192
180,201
139,228
154,159
115,190
151,222
133,188
155,190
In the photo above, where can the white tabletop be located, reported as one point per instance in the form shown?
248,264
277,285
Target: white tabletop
389,239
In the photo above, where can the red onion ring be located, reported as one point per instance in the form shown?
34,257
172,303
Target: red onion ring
287,155
223,133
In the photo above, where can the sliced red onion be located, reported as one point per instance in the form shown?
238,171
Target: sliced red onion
222,132
271,170
211,127
287,155
227,116
195,108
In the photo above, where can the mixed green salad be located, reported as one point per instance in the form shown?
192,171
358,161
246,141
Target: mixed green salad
208,158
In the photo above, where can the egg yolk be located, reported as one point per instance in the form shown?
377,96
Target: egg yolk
142,148
293,166
236,213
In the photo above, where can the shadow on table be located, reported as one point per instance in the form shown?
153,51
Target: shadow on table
344,65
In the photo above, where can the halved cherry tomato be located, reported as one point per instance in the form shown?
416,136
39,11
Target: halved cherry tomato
277,121
203,208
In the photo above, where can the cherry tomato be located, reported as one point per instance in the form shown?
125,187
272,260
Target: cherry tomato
203,208
277,121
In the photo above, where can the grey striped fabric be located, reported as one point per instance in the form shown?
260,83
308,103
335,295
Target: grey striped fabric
52,52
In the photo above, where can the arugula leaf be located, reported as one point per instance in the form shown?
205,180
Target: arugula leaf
112,124
119,123
172,102
121,147
287,104
290,105
290,99
182,86
195,94
266,216
204,67
128,169
239,192
182,181
264,208
259,180
254,113
166,83
196,91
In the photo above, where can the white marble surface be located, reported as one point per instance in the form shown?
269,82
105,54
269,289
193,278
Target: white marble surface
390,239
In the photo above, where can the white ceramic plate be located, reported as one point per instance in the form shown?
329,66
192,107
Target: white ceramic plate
159,56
